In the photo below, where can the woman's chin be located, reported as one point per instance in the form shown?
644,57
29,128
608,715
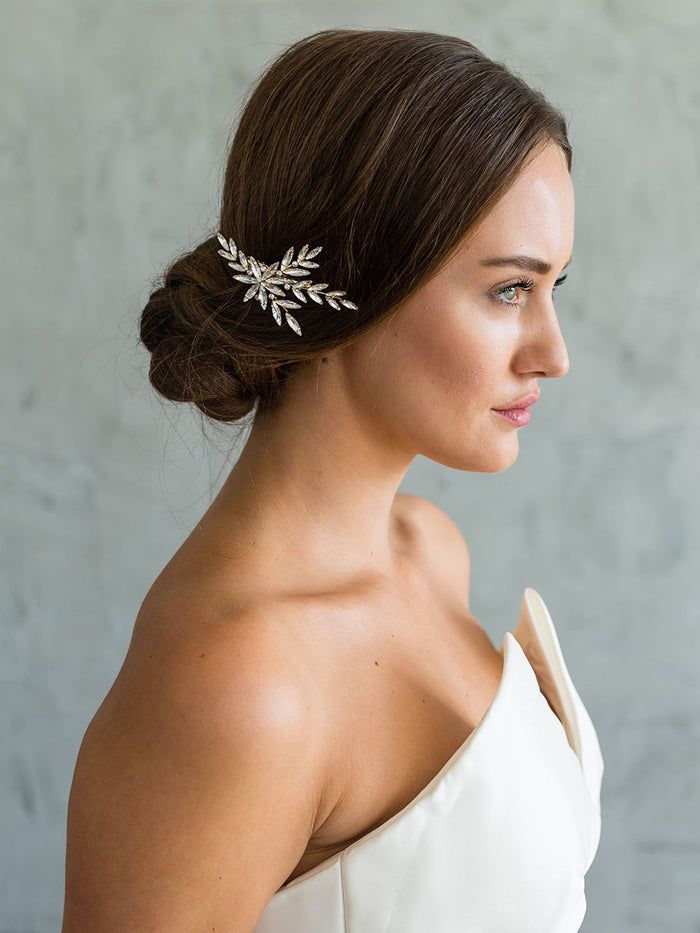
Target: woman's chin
500,463
507,455
495,459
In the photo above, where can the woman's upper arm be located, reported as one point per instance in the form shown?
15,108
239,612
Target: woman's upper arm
188,813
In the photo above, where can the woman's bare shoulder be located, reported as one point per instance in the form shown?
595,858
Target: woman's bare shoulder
192,647
443,544
207,735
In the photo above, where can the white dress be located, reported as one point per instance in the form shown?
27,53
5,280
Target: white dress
500,839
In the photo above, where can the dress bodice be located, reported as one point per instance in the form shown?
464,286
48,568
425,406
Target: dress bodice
498,841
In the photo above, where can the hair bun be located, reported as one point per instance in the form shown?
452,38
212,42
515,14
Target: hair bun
193,358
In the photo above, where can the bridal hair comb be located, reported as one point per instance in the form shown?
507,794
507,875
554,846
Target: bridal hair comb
272,281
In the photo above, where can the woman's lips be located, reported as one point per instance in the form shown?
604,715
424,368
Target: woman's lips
521,415
516,416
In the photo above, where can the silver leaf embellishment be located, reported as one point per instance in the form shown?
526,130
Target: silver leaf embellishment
270,281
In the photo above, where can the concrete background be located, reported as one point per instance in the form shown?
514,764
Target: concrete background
114,123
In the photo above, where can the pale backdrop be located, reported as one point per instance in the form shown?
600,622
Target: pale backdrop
115,119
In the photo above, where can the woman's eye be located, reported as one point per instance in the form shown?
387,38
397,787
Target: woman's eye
509,294
526,285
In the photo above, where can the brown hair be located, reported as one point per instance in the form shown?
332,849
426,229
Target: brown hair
385,147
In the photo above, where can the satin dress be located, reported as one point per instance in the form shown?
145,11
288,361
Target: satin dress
498,841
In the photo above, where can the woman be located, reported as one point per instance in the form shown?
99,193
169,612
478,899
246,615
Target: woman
311,731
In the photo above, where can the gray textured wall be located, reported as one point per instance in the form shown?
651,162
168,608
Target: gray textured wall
114,123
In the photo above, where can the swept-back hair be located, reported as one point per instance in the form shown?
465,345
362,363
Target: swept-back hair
384,146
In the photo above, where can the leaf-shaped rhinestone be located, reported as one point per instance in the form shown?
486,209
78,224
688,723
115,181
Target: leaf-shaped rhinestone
293,323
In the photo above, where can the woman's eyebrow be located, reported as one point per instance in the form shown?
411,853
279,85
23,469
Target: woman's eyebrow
522,262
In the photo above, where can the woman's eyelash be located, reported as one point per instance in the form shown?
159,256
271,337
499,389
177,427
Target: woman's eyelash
525,285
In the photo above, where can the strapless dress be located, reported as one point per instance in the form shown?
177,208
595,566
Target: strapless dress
498,841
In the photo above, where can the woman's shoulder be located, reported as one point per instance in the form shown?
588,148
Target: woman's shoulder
201,638
438,540
208,733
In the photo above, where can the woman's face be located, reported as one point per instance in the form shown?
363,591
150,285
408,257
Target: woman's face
472,338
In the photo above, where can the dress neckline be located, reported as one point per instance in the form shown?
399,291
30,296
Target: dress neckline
509,644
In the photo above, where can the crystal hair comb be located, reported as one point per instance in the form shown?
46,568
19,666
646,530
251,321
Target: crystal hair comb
272,280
